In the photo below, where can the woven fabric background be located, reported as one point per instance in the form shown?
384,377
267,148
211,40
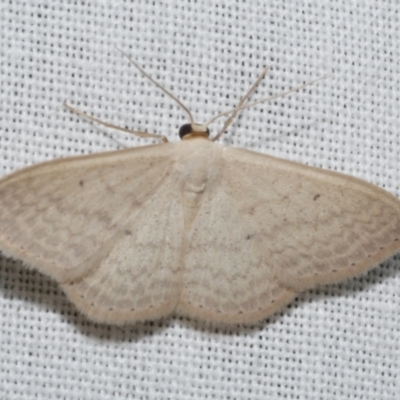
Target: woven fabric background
334,342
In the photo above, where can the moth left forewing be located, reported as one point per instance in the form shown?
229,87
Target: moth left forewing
55,215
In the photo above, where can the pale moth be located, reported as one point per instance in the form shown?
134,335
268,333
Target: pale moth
192,228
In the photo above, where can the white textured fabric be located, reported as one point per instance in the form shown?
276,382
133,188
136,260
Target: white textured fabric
336,342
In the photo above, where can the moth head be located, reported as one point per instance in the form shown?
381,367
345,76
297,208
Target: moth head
192,130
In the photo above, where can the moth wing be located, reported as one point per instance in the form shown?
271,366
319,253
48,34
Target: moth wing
270,228
108,227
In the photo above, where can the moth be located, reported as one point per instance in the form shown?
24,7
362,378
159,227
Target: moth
194,228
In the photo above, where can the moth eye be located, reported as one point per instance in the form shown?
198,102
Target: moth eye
185,130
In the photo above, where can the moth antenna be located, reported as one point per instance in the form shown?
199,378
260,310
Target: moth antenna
240,107
167,92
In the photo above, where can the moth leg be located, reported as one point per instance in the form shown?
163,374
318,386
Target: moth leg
119,128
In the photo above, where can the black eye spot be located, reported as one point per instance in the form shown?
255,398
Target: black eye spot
185,130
